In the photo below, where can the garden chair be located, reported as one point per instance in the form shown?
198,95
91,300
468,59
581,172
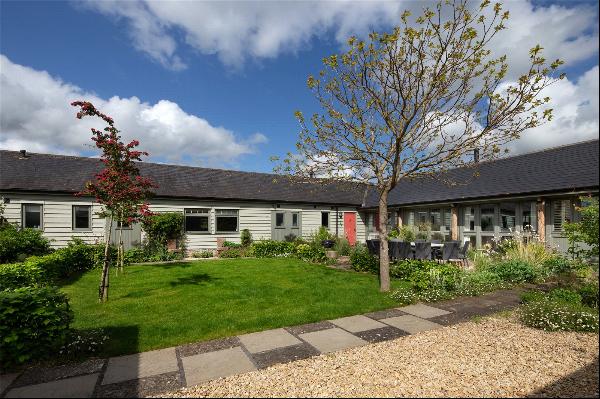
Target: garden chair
450,251
462,254
394,249
422,250
373,247
404,250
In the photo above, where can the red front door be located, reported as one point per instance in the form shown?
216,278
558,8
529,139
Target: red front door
350,227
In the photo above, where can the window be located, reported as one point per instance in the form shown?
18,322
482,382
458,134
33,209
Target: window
561,214
227,220
487,218
421,217
295,218
391,222
435,218
82,217
325,219
279,219
196,220
508,216
447,219
370,222
528,216
32,216
470,219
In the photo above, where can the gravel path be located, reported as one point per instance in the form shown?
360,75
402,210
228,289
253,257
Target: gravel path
494,357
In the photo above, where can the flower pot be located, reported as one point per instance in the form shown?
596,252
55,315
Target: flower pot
328,243
331,254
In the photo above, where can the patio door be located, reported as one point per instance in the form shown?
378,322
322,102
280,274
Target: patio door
285,224
350,227
132,234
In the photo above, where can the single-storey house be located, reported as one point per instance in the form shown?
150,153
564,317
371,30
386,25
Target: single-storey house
535,192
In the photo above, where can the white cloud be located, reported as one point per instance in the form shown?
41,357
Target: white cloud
37,116
575,110
240,30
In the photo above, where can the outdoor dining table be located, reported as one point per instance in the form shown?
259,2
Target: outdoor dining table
433,244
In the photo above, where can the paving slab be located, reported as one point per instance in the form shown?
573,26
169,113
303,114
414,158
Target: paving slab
423,311
310,327
208,366
143,387
74,387
268,340
332,340
385,314
284,355
382,334
47,374
411,324
6,380
357,323
140,365
208,346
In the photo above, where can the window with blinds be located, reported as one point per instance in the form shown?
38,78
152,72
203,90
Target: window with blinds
561,214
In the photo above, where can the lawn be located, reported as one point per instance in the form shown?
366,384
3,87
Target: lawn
158,306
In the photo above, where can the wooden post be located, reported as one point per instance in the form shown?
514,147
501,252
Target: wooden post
454,223
541,219
399,214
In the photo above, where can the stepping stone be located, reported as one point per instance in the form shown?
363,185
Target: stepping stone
208,366
284,355
332,340
144,387
75,387
423,311
268,340
411,324
357,323
386,333
139,365
310,327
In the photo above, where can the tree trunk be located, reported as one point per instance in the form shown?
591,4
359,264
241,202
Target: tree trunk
384,259
103,290
121,251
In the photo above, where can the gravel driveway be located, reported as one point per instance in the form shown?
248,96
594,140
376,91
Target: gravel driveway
490,358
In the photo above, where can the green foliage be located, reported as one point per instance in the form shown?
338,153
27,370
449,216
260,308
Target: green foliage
83,344
150,253
342,246
246,237
162,227
558,265
322,234
203,254
231,244
362,261
311,252
407,233
16,275
34,322
478,283
237,252
589,294
16,244
404,296
403,269
272,249
586,230
514,271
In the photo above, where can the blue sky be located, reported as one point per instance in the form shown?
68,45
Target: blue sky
237,84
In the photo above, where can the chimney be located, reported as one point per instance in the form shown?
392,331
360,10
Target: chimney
24,154
476,155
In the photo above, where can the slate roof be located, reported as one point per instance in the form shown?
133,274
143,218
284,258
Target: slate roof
565,168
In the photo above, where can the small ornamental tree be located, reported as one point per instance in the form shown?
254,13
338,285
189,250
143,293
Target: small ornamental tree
585,231
118,187
417,101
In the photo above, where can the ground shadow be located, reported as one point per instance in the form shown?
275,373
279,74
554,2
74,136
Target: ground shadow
194,279
582,383
170,265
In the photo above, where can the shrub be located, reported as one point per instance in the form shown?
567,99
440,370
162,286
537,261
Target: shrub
34,322
162,227
557,265
272,249
322,234
589,294
565,295
586,230
362,261
203,254
514,271
406,233
310,252
246,238
16,275
231,244
239,252
404,296
343,247
405,268
534,253
478,282
554,315
84,343
135,255
19,243
150,253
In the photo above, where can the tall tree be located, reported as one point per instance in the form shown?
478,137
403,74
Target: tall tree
118,186
417,101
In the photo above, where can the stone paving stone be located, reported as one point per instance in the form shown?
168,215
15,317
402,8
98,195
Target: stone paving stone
268,340
411,324
385,314
311,327
146,386
332,340
208,346
211,365
74,387
381,334
423,311
140,365
357,323
284,355
46,374
6,380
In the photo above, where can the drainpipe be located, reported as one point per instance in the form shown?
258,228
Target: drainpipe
337,221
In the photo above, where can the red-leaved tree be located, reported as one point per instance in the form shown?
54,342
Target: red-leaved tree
118,187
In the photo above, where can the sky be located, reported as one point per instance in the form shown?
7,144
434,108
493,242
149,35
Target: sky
217,83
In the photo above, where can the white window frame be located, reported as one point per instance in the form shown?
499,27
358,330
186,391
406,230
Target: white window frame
218,215
328,219
206,213
73,226
23,213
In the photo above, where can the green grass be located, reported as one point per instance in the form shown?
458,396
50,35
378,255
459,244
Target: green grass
158,306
